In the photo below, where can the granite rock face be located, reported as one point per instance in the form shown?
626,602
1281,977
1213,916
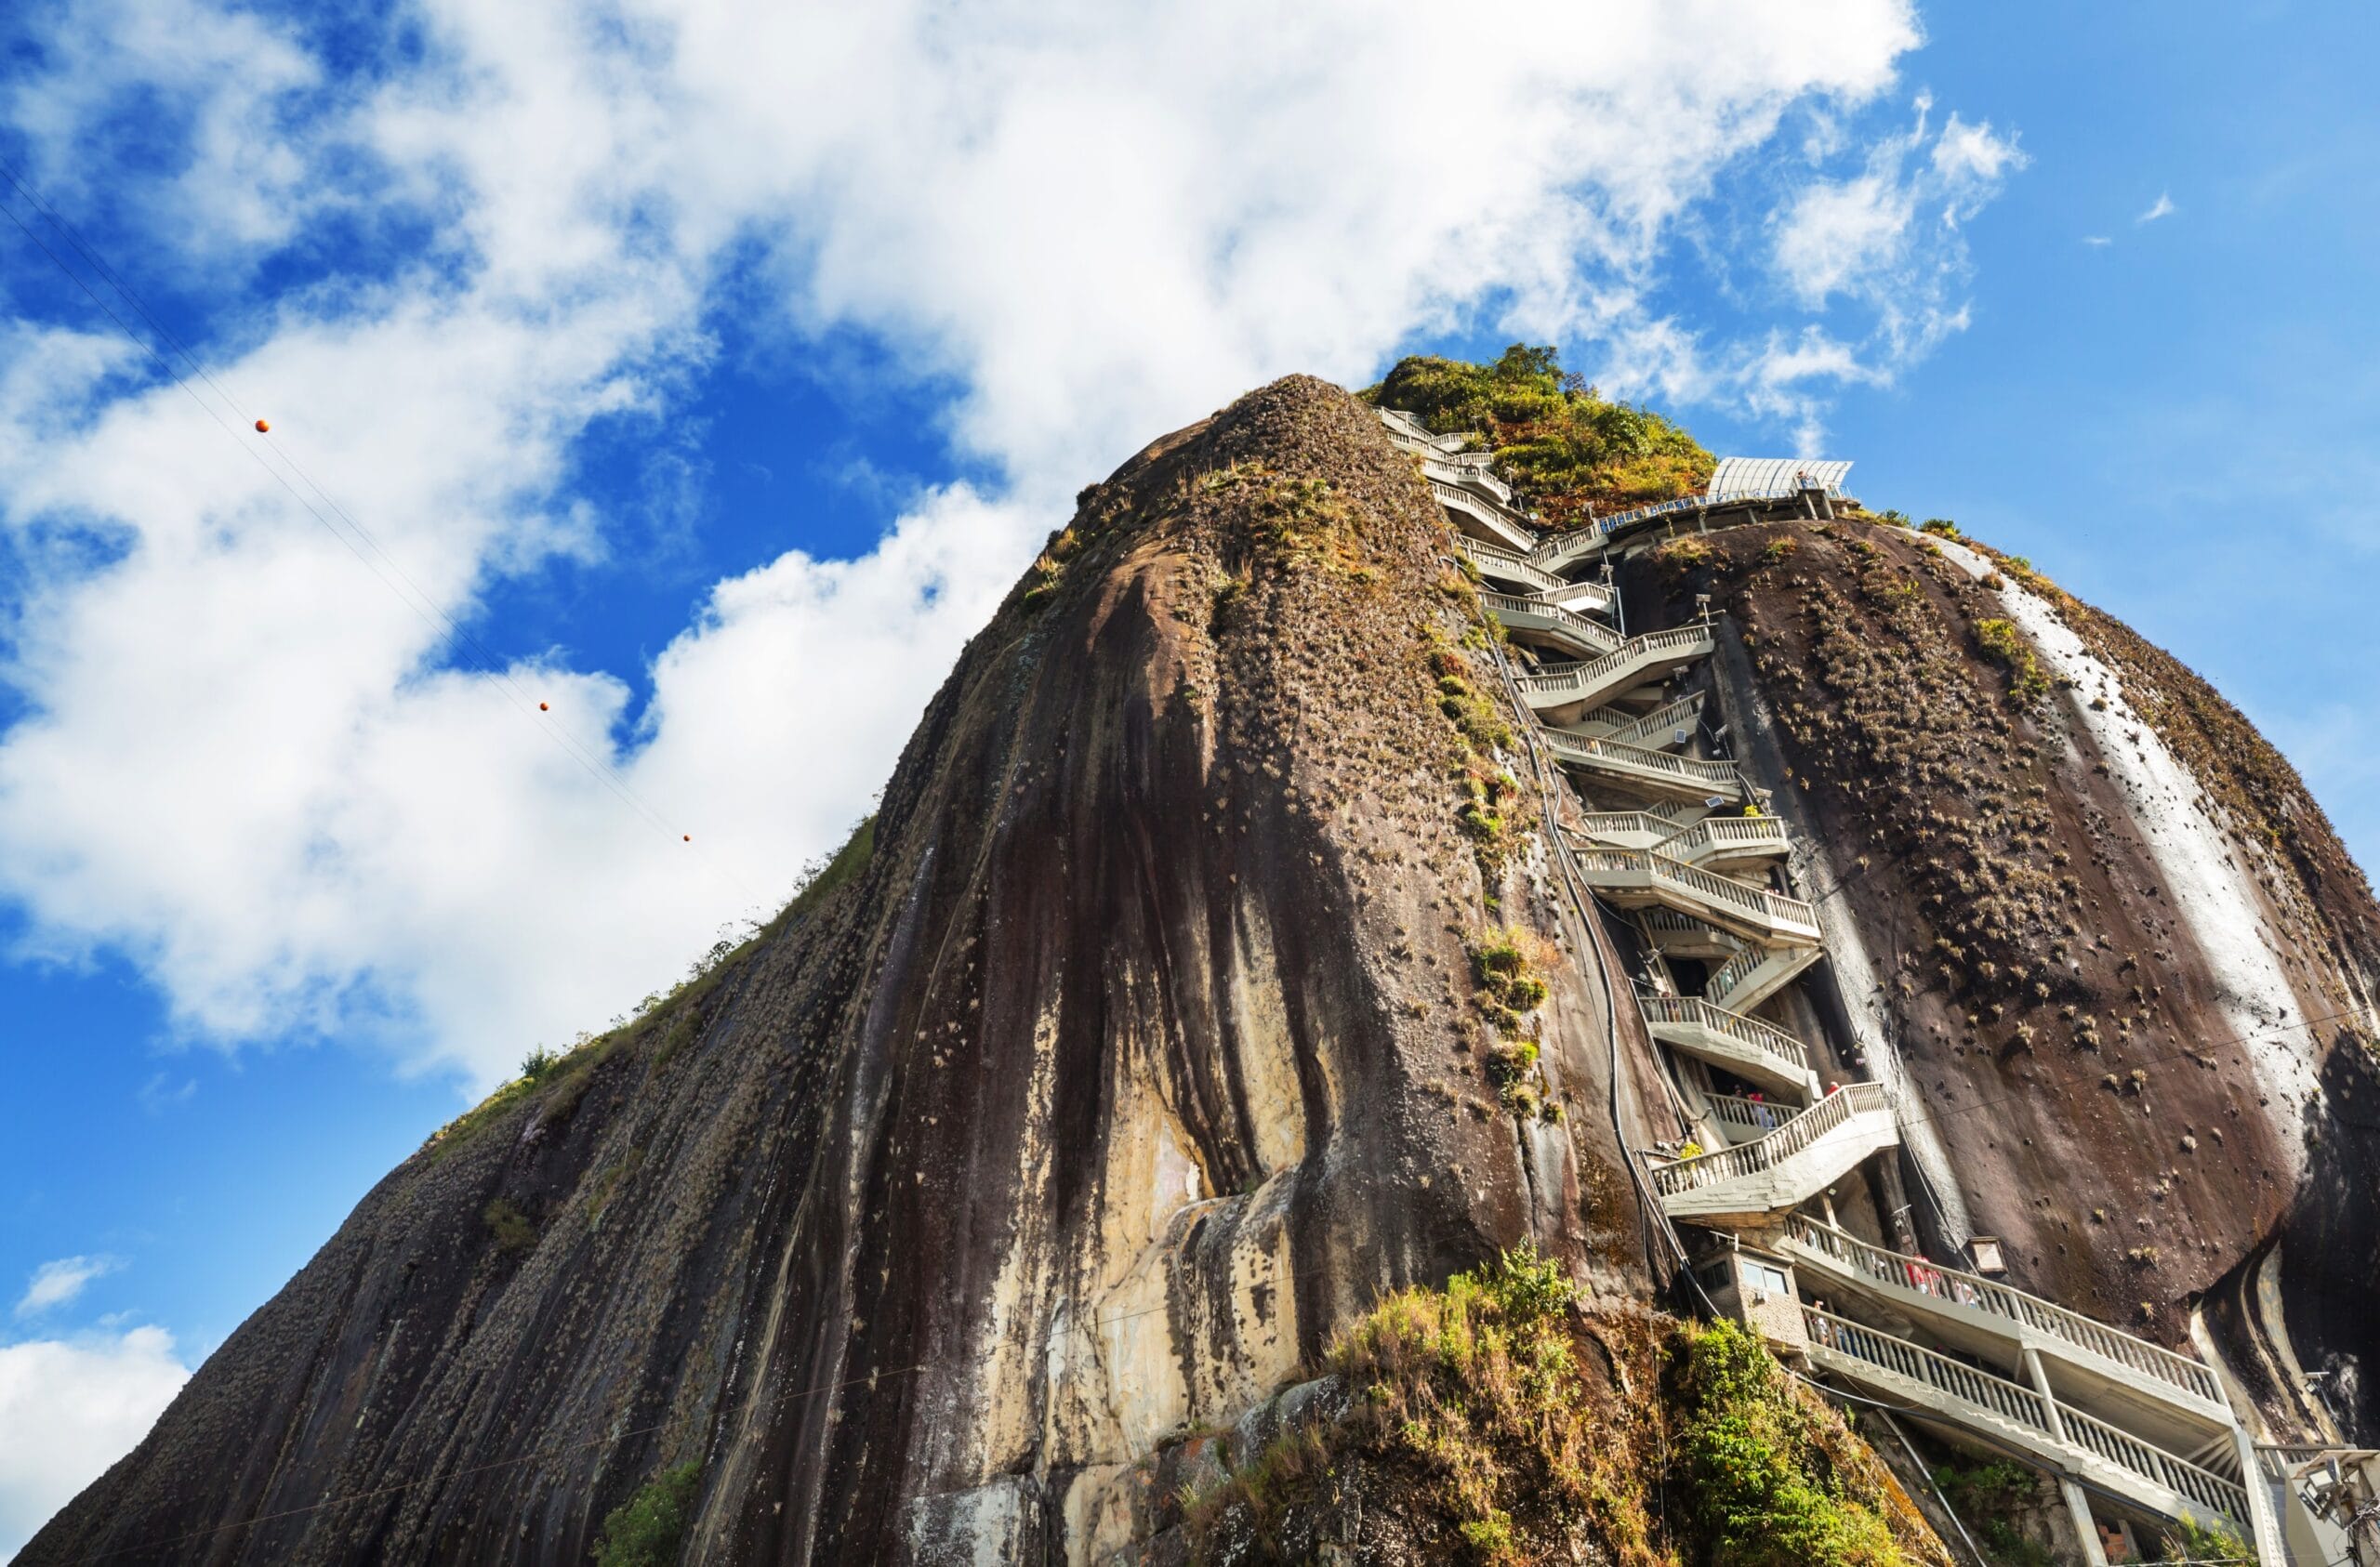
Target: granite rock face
1134,1054
1134,1063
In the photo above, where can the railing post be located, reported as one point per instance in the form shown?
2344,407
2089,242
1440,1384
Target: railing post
2078,1506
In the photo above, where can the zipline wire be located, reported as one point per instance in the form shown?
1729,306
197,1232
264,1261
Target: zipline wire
450,629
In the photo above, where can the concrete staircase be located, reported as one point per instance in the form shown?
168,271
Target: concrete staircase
1578,689
1756,973
1542,621
1481,516
1645,771
1753,1050
2149,1430
1668,725
2150,1388
1638,877
1784,1168
2014,1416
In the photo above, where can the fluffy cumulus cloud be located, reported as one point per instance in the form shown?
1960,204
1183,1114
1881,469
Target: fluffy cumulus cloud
249,755
70,1407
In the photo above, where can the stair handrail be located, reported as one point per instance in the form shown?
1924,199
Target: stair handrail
1749,1158
1512,560
1722,774
1728,829
1775,908
1692,1011
2151,1462
1976,1293
2011,1400
1592,631
1738,969
1628,731
1593,821
1578,675
1455,495
1468,473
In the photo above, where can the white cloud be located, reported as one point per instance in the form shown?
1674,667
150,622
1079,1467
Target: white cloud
56,1282
246,764
2097,241
67,1409
1860,238
1968,155
2161,208
1841,233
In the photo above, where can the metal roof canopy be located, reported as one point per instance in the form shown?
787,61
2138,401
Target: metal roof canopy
1776,476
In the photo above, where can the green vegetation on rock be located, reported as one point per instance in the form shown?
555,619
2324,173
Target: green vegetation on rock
1773,1477
1564,445
1510,1427
649,1529
2006,646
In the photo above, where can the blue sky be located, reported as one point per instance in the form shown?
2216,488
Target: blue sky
718,374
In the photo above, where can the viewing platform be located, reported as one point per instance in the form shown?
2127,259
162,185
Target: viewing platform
2150,1388
1784,1168
2020,1420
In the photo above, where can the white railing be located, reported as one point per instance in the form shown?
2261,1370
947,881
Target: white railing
1605,526
1773,909
1739,1113
2030,1311
1406,431
1665,919
2153,1463
1637,756
1751,1158
1592,633
1510,562
1761,833
1584,677
1452,472
1579,747
1739,970
2022,1405
1601,826
1692,1011
1460,499
2010,1401
1685,713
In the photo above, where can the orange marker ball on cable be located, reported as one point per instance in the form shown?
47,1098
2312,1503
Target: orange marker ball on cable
262,427
690,838
541,707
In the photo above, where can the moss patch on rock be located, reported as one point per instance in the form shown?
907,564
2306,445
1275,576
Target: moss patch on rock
1562,444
